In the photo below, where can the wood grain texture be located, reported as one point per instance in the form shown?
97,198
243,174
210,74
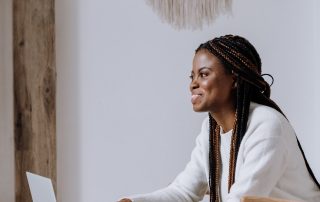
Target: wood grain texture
34,92
263,199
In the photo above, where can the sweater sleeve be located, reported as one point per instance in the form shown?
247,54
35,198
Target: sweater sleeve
189,186
264,162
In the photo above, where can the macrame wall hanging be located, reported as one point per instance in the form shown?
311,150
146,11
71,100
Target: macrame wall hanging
189,14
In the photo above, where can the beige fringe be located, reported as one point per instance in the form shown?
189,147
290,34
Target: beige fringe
190,14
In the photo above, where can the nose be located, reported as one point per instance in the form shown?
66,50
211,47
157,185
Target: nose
194,84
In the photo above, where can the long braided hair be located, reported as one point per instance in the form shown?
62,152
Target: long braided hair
239,57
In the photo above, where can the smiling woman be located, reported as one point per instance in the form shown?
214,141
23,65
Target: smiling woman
246,145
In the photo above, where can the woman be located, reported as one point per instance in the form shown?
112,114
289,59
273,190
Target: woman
246,145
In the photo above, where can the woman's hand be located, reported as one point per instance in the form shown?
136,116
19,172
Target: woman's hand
125,200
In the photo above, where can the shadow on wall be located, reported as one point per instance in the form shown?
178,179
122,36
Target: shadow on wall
69,179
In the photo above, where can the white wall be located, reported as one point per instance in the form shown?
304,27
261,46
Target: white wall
314,159
6,104
125,123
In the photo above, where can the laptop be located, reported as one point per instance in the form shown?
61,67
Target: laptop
41,188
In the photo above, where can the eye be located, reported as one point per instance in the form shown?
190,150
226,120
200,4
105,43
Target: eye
191,77
203,74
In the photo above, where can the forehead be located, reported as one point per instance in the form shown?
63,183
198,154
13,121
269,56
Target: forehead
203,58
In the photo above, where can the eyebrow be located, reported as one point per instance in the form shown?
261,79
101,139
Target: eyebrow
202,69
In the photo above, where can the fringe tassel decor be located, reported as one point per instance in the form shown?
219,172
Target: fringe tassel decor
189,14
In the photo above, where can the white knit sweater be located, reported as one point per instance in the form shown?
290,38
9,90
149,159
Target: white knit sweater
269,163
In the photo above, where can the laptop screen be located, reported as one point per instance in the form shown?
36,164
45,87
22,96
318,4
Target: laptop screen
41,188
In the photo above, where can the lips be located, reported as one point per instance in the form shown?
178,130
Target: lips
195,98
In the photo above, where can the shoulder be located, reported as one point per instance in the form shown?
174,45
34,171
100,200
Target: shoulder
265,121
261,112
268,132
204,132
205,124
202,138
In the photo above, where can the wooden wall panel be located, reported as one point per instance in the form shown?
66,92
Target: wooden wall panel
34,92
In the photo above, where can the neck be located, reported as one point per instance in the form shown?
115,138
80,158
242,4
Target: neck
225,118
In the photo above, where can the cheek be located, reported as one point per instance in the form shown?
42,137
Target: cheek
218,87
211,85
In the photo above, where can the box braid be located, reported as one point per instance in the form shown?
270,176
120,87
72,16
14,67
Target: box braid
239,57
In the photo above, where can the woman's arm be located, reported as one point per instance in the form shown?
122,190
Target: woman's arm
190,185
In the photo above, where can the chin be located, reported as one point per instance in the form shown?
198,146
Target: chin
198,109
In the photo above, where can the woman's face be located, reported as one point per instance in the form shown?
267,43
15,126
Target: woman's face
211,86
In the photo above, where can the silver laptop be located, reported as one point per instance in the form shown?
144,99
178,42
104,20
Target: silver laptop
41,188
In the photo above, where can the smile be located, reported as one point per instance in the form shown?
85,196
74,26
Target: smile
194,98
